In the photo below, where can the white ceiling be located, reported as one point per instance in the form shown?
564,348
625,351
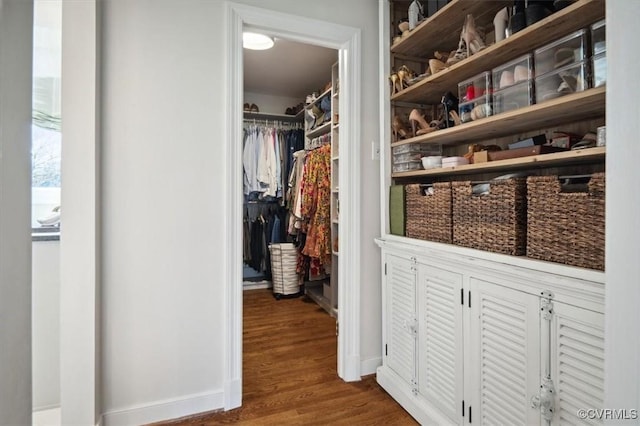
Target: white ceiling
288,69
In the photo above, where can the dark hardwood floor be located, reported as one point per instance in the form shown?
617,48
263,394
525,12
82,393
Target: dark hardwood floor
290,375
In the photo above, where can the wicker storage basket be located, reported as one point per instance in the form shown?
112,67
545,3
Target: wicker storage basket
566,227
496,221
429,216
283,269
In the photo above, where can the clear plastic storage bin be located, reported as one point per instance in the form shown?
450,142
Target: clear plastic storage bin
513,97
599,70
598,38
514,72
413,156
475,87
417,148
476,109
407,166
568,50
566,80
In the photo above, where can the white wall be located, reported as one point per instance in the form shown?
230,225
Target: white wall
162,113
16,26
273,104
46,324
162,173
622,337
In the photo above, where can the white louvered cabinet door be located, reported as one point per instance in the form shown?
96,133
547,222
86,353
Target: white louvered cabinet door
577,362
504,370
400,349
440,339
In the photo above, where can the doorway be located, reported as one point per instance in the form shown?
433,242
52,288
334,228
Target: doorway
347,41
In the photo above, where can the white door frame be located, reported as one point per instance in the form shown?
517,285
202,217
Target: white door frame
347,41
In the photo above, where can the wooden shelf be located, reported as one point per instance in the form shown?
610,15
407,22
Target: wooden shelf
566,109
427,37
319,131
545,160
430,90
322,95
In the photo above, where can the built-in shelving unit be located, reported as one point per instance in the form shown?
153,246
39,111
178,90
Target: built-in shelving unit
587,155
429,91
319,131
435,34
335,181
325,294
445,299
566,109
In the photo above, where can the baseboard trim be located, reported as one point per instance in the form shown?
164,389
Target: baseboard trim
233,394
46,408
165,410
369,366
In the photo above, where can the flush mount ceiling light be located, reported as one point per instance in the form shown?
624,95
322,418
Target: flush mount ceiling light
255,41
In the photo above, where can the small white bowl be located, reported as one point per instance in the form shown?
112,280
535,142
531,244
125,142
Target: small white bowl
432,162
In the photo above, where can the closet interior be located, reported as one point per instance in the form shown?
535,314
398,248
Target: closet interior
290,171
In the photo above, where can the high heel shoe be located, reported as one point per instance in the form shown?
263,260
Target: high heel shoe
435,66
394,83
458,55
399,129
419,125
450,103
405,75
472,37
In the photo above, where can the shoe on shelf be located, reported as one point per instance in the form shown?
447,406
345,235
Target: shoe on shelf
419,125
254,108
246,107
564,56
520,73
405,75
457,55
311,98
506,79
472,37
399,129
436,65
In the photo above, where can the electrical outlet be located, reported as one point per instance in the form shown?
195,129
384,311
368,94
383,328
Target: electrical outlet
375,151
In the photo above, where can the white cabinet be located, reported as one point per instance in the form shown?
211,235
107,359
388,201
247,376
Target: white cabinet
475,341
440,338
400,350
505,354
577,361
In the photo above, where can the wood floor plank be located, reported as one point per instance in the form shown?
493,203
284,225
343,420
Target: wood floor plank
290,375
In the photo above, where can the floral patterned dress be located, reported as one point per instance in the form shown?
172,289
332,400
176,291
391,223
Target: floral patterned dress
316,206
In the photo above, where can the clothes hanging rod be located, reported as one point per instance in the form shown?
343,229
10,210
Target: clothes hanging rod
272,117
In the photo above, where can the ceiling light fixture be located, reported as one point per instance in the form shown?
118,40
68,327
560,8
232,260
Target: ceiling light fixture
255,41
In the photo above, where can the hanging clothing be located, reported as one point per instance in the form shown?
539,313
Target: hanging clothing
250,161
316,205
294,199
266,160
